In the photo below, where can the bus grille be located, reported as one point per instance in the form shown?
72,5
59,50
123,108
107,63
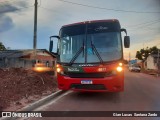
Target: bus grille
88,75
88,86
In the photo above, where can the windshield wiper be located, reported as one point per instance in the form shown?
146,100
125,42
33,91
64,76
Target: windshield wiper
77,54
94,49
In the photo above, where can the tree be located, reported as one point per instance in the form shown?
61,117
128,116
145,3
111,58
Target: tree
154,50
139,55
144,53
2,47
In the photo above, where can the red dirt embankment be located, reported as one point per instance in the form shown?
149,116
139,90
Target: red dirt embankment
19,87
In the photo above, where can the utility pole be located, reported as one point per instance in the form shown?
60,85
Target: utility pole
35,29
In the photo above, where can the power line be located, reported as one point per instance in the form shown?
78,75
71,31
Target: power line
144,26
143,23
111,9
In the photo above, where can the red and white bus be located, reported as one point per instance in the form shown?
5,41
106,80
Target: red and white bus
90,56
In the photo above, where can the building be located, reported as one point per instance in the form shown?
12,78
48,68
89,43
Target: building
26,58
151,62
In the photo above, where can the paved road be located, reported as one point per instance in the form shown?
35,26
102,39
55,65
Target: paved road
141,94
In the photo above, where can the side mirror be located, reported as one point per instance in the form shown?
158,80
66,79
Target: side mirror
126,41
51,46
51,43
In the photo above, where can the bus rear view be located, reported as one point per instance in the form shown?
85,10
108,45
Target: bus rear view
90,55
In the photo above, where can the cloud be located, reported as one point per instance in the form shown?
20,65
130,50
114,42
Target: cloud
5,8
6,22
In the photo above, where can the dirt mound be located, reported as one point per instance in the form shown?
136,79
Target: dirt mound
17,84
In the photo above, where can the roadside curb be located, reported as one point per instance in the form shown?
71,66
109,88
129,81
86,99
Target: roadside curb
42,101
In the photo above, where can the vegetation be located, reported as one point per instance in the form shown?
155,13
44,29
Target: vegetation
144,53
2,47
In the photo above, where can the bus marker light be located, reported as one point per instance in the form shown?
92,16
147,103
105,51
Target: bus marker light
120,64
57,65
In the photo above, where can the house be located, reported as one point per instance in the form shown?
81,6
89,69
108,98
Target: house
151,62
26,58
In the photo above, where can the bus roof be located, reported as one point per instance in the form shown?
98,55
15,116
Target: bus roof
92,21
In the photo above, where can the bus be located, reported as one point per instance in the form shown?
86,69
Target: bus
90,56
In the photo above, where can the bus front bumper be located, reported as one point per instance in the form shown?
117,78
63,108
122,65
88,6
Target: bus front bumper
107,84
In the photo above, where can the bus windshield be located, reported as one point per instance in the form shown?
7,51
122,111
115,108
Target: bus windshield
103,35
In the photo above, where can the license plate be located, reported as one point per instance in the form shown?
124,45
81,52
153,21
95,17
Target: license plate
86,82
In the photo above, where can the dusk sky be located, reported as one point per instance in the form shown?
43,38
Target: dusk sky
141,18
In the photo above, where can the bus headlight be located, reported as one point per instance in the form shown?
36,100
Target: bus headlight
59,68
119,68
